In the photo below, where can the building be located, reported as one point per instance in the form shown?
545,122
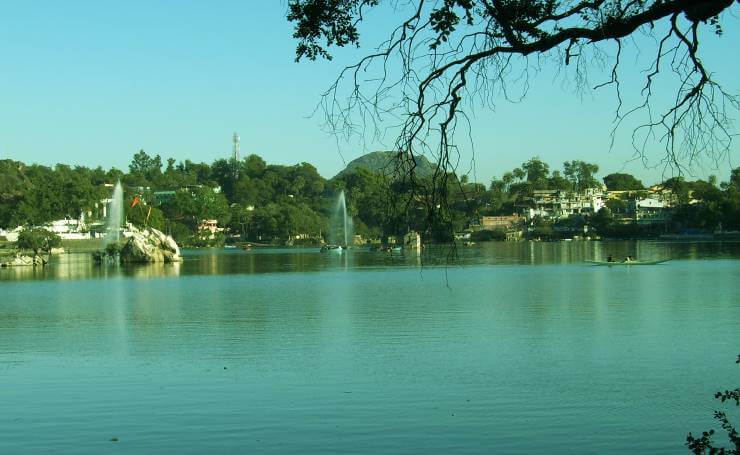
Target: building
491,223
69,229
557,204
650,210
208,228
162,197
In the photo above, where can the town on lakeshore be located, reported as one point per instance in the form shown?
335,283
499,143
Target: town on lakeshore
247,201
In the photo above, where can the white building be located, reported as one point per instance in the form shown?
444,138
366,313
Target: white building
651,210
558,204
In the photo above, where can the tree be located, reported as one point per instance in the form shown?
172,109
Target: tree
226,174
445,56
38,240
537,172
144,169
581,174
602,220
679,187
191,206
622,182
254,165
558,182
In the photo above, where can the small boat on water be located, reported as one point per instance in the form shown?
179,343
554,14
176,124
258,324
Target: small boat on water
335,248
632,262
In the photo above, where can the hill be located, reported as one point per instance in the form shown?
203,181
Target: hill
385,162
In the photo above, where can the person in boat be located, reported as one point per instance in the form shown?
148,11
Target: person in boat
628,259
609,258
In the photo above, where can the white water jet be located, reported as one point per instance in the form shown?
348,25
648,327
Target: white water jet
115,215
342,228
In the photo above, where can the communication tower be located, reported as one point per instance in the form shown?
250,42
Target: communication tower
236,147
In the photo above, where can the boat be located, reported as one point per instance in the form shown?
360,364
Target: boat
633,262
325,248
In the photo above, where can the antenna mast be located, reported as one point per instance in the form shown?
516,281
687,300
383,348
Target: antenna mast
236,147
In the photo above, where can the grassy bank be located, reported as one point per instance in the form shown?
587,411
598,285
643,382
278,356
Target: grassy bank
82,246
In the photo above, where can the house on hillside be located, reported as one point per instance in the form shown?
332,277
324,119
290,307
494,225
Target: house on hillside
163,197
556,204
650,210
207,229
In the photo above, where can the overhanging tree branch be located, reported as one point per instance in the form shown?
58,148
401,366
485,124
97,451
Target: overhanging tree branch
447,53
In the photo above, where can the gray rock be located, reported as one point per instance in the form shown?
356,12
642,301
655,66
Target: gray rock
21,260
149,245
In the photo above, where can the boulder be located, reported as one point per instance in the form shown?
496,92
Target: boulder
21,260
149,245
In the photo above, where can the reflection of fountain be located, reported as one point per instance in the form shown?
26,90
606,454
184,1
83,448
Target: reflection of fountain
115,216
342,228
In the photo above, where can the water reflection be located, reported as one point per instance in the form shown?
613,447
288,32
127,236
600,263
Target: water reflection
226,262
371,349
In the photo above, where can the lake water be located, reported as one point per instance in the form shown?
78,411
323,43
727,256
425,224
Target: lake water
511,348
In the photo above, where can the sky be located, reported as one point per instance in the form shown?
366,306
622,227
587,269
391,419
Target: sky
92,82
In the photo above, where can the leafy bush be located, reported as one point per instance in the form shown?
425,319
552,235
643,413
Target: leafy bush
704,444
486,235
38,240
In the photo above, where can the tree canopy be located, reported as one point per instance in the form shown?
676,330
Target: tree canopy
262,202
38,240
622,182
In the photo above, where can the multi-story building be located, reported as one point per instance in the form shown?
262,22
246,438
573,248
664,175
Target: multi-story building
650,210
557,204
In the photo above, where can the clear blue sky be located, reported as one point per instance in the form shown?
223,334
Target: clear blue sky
92,82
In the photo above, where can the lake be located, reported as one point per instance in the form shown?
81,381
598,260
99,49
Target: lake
507,348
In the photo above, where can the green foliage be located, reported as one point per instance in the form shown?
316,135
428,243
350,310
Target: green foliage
144,215
558,182
37,194
258,201
537,172
113,249
193,205
704,443
487,235
144,170
622,182
543,231
602,220
38,240
581,174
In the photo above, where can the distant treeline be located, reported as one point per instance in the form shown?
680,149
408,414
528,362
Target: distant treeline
257,201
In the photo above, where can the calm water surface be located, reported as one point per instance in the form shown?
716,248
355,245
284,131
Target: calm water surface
513,348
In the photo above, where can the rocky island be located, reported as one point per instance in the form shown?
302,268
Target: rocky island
141,245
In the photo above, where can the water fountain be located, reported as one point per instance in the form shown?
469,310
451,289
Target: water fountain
142,244
115,216
342,228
